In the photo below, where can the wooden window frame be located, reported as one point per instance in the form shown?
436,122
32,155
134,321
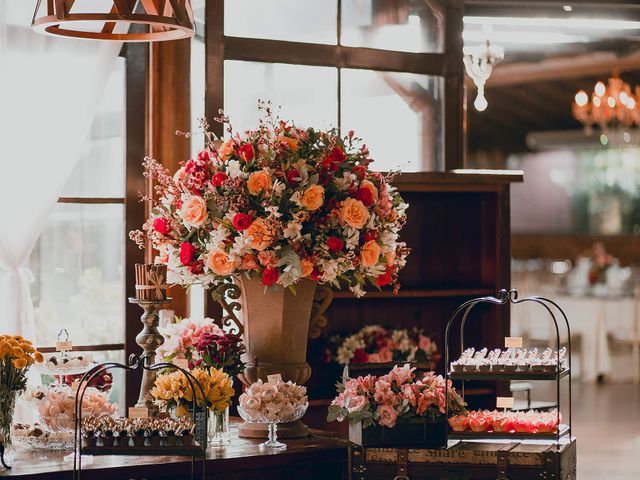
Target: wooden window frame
448,64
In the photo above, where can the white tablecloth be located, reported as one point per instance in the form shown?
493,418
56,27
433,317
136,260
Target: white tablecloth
590,317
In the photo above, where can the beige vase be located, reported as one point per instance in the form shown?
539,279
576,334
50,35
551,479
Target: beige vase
276,331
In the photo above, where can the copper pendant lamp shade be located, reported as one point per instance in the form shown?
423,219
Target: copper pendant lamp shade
111,19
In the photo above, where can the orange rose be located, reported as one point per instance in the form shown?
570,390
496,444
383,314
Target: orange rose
194,211
366,184
313,197
354,213
220,263
259,182
261,234
307,267
249,263
226,150
291,142
370,253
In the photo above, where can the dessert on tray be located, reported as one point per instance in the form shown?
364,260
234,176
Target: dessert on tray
510,360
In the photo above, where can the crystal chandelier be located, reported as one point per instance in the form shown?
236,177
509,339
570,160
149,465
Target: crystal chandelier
610,105
111,19
479,61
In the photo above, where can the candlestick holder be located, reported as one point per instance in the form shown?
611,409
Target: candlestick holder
149,339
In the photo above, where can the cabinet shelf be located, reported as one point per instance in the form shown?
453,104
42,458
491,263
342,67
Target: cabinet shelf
463,292
505,376
563,431
177,451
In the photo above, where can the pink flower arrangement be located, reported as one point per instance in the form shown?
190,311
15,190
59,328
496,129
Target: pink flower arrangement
375,344
531,421
182,337
279,203
391,398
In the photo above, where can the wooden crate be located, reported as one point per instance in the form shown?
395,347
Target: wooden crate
466,461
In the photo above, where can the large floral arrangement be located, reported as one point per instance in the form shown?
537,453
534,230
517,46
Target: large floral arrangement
397,396
173,391
375,344
281,203
202,343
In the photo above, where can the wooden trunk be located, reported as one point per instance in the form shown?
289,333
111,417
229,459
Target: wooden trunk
466,461
420,432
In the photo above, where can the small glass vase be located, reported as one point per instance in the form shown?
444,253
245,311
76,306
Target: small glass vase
7,408
219,434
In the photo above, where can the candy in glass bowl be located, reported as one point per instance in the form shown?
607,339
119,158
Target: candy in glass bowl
273,402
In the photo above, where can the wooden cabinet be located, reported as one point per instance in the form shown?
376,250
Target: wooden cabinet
458,232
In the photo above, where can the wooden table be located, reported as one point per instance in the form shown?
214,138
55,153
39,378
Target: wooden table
320,456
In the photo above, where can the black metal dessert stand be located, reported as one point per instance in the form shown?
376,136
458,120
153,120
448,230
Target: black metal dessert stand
197,450
505,299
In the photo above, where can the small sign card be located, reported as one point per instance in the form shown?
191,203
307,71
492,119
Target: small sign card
64,346
504,402
276,377
138,412
181,363
513,342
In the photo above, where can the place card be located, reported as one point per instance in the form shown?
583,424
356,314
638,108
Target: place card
138,412
504,402
276,377
66,346
182,363
513,342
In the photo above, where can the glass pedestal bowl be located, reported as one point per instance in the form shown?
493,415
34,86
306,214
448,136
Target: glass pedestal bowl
272,420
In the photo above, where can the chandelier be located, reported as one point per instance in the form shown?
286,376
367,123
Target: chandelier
610,105
111,19
479,62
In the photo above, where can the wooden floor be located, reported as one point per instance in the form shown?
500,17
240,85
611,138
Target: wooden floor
607,426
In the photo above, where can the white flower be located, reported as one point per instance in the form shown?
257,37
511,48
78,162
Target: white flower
296,198
234,170
357,290
278,188
345,182
292,230
352,237
273,212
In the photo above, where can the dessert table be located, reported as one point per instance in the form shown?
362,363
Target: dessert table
319,456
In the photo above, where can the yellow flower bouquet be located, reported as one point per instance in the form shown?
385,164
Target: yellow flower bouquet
16,357
172,390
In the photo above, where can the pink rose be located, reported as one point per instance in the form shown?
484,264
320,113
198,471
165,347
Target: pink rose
357,403
194,211
400,375
388,416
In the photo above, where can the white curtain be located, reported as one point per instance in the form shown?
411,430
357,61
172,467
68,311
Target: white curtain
49,91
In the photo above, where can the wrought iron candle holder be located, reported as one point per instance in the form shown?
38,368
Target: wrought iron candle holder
149,339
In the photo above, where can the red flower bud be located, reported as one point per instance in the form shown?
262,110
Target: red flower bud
219,178
338,155
161,225
242,221
204,155
246,152
365,196
315,274
359,171
335,244
187,253
359,356
270,276
293,176
370,235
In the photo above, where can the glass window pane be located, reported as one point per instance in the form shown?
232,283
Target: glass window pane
398,115
306,95
401,25
310,21
78,264
101,168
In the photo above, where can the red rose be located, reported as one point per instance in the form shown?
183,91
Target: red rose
246,152
338,155
328,163
219,178
187,253
335,244
315,274
270,276
386,278
293,176
196,268
161,225
359,171
370,235
204,155
365,196
359,356
242,221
